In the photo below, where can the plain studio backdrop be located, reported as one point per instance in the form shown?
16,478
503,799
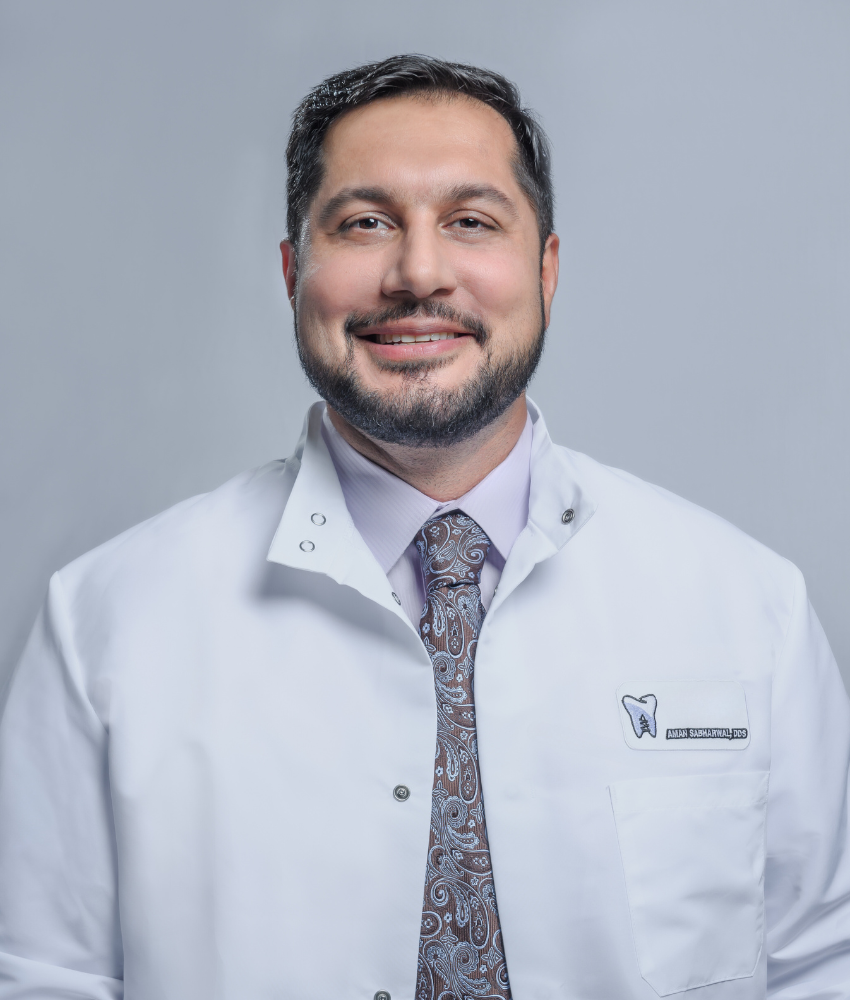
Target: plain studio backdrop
700,335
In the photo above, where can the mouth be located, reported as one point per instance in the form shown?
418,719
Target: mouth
422,335
418,339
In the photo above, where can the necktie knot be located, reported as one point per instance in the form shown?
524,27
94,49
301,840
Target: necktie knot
452,549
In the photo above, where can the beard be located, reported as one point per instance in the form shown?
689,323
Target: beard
419,414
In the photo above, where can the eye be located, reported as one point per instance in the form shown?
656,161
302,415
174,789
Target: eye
368,224
470,222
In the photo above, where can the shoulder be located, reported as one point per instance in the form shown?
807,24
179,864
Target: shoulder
234,521
650,531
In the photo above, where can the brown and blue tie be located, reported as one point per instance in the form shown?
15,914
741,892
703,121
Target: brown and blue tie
461,956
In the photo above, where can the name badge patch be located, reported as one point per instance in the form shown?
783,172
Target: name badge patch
683,715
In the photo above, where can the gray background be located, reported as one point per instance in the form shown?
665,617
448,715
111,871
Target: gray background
700,334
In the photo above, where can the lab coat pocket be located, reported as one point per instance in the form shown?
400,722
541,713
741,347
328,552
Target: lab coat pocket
693,855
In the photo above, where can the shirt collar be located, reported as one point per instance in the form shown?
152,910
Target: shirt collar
388,512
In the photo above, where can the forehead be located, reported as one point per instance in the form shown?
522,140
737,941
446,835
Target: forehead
419,141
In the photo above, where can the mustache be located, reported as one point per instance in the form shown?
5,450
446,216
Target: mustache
357,322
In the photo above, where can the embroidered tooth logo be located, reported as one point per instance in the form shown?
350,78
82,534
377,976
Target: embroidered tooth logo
642,713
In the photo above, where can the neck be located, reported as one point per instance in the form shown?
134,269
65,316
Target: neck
448,472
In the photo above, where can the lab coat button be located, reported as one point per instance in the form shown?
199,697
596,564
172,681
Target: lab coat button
318,519
396,598
382,995
401,793
307,545
568,515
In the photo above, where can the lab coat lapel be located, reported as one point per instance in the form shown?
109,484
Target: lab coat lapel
316,532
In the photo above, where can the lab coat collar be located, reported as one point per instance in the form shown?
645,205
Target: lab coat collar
316,532
558,508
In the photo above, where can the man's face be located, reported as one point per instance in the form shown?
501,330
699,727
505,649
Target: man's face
419,293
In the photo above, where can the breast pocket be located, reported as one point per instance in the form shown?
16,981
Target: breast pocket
693,857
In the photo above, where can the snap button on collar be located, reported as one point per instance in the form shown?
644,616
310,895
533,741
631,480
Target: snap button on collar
568,515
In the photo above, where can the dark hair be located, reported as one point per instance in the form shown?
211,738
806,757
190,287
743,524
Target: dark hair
411,74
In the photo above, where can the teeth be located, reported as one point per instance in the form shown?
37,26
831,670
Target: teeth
413,338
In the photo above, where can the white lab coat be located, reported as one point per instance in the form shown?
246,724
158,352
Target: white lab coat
200,746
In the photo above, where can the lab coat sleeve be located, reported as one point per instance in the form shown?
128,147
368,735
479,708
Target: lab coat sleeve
59,928
807,878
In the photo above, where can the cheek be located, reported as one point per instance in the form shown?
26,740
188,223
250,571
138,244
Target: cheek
504,286
332,288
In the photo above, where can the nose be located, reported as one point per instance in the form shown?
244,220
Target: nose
420,266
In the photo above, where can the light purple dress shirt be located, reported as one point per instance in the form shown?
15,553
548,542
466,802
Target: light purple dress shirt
388,512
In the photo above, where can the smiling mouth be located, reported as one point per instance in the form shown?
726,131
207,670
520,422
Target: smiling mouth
411,338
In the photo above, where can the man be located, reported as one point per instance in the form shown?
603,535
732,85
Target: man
217,760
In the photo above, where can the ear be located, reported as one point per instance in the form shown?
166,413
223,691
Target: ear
287,254
549,274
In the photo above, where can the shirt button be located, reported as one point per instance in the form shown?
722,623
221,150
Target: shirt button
318,519
401,793
568,515
396,598
382,995
306,545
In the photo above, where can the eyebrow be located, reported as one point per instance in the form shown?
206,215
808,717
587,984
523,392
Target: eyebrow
461,192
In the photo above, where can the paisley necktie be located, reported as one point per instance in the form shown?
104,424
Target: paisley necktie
460,948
